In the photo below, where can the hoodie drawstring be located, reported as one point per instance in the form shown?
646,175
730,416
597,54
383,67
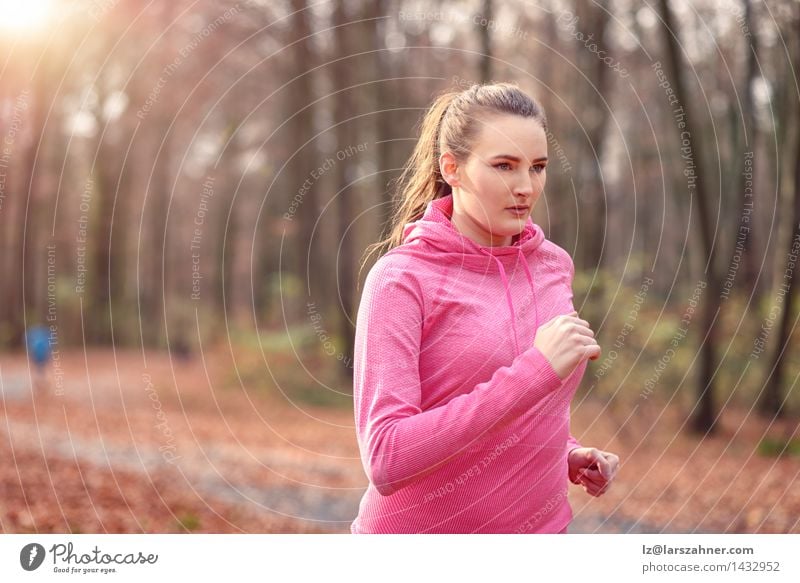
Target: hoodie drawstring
508,293
533,290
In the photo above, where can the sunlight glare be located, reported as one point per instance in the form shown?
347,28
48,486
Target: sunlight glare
22,15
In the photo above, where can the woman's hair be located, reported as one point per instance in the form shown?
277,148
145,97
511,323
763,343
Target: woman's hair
451,124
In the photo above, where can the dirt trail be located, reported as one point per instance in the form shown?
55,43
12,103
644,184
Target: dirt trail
246,465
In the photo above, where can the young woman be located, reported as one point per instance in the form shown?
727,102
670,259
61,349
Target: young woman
468,349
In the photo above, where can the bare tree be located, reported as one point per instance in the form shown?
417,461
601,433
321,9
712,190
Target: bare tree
346,129
705,415
773,399
484,33
595,114
746,138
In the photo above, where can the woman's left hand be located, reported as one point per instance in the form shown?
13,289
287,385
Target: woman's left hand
593,469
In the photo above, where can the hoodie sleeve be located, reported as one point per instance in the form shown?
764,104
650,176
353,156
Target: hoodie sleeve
572,443
399,442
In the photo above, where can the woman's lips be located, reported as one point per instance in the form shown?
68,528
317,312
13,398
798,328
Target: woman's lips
520,212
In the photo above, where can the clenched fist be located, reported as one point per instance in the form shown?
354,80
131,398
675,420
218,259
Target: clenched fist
566,341
593,469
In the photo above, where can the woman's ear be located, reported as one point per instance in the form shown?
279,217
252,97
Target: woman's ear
448,166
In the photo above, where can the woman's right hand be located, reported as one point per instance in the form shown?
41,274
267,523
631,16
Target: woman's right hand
566,341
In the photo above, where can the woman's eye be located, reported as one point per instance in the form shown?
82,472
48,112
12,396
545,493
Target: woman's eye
539,168
503,166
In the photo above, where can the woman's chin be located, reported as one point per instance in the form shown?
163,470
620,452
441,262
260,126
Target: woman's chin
514,225
504,236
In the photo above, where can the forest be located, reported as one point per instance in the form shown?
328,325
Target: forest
188,190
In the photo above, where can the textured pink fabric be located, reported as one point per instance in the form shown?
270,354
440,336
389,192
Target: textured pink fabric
463,426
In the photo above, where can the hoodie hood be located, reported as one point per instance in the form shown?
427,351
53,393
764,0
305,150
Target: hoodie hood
443,242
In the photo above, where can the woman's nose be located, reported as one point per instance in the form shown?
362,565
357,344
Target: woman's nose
524,188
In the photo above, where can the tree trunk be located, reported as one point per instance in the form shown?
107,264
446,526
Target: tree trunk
346,134
593,20
307,261
705,414
772,400
386,99
484,33
31,292
742,243
99,295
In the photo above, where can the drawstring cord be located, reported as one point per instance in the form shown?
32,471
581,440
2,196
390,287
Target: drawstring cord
533,290
508,293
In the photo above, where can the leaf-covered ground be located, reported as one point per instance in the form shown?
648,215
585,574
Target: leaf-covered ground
166,447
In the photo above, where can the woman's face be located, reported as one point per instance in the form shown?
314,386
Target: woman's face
505,169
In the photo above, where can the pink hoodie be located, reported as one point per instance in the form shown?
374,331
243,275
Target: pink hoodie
463,426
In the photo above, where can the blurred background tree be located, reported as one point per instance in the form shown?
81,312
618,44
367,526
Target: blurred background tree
184,172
